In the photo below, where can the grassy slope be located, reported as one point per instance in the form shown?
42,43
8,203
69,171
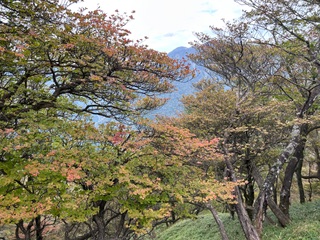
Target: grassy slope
305,226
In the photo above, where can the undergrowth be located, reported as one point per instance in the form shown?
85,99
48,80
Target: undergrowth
305,225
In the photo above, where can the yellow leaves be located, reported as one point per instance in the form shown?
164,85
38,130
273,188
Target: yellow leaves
149,103
179,198
141,192
4,200
213,190
95,78
145,217
13,208
43,206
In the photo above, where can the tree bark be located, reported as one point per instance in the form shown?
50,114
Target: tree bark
39,228
249,230
290,170
25,230
99,221
249,188
244,219
302,195
258,219
286,186
267,188
249,196
220,224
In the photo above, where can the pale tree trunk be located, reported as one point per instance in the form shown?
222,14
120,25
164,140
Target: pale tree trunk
258,220
220,224
245,221
290,170
267,188
297,133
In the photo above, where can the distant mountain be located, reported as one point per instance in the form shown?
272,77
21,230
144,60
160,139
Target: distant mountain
173,106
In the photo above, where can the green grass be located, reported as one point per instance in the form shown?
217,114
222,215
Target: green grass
305,225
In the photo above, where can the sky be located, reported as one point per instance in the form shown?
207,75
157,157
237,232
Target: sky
169,24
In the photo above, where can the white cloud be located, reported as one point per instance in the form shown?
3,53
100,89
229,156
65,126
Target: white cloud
170,23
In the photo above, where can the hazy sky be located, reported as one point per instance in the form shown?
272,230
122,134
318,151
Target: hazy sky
170,23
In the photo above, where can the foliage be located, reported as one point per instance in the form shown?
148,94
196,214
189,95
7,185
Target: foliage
267,56
57,168
49,53
60,68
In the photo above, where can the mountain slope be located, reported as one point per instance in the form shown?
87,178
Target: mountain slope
304,226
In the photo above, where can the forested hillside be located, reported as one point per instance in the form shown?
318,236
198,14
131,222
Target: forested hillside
246,140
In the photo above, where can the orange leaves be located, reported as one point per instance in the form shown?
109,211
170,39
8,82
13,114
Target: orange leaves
211,190
51,153
73,174
180,142
13,209
31,170
7,131
95,77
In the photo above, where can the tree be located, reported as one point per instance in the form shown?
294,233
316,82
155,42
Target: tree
271,51
249,135
58,68
49,52
200,185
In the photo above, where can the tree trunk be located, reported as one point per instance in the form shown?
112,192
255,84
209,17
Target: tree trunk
100,227
302,195
289,172
244,219
249,188
286,186
215,215
246,224
249,197
69,228
259,217
99,221
275,191
267,188
26,231
121,224
39,228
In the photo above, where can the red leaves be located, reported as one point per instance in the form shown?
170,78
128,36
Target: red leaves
73,174
119,136
8,130
178,141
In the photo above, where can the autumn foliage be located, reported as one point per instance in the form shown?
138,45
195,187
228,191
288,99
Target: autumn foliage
61,72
